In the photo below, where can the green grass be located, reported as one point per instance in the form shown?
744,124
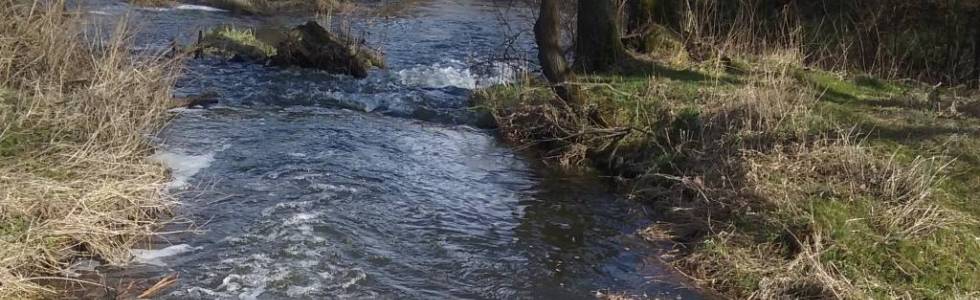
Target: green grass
231,41
12,229
934,266
940,265
846,90
12,144
892,120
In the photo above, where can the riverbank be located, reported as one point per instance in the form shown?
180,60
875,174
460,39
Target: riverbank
777,180
75,179
261,7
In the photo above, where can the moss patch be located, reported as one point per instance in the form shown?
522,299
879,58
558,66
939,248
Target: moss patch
231,41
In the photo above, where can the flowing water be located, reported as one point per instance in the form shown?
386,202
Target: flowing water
308,185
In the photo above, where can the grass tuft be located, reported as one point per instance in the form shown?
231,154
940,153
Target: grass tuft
231,41
74,176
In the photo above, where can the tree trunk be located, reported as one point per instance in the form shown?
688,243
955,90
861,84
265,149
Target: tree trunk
599,46
976,47
547,33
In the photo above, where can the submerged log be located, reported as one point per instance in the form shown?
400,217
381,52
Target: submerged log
311,46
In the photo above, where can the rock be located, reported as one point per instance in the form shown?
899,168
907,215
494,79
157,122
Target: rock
204,101
311,46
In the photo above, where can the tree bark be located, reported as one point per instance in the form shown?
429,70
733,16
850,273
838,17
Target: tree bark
976,47
547,34
599,45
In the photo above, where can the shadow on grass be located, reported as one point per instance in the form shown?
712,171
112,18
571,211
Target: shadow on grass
898,102
646,69
857,90
911,135
835,96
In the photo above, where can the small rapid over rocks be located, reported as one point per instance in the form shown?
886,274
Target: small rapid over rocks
307,185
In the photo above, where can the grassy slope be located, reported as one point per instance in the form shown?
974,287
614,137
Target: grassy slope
828,215
939,265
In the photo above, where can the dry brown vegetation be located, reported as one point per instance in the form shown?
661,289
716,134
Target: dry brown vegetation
76,113
769,189
928,40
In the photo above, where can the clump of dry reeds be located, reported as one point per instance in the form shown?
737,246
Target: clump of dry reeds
76,113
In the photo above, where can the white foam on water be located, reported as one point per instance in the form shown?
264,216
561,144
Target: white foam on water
155,257
198,7
183,7
183,110
326,187
302,218
298,228
438,76
287,206
254,275
183,166
81,267
199,292
300,291
300,267
456,74
158,9
352,280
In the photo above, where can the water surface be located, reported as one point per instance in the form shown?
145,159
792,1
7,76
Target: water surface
309,185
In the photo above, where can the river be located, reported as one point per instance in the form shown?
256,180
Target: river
308,185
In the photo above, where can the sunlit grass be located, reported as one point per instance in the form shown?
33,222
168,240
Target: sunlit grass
817,184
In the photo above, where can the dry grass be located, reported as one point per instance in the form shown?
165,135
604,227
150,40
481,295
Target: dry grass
74,178
770,195
770,180
781,249
890,38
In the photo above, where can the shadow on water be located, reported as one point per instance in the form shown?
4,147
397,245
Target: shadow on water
584,239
